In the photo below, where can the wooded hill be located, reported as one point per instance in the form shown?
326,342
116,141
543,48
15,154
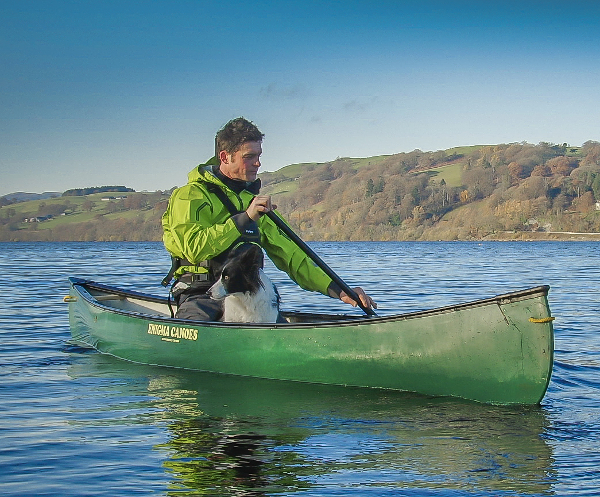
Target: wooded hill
479,192
508,191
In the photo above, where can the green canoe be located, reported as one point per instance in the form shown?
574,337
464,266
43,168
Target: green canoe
497,350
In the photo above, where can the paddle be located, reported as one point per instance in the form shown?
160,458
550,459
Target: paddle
318,261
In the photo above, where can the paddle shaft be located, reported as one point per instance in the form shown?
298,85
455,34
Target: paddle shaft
318,261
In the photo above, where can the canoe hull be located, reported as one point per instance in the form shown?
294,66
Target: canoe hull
496,350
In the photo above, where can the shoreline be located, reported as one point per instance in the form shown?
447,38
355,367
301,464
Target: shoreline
507,236
533,236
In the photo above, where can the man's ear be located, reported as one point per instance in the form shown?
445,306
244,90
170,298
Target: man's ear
224,157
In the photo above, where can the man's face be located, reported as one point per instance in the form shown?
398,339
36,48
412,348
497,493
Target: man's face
243,164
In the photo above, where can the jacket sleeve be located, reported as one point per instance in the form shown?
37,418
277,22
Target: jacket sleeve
195,227
288,257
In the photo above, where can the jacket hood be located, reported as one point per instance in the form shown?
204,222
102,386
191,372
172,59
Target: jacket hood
203,171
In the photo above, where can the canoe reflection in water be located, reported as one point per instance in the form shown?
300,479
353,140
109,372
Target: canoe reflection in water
205,458
230,435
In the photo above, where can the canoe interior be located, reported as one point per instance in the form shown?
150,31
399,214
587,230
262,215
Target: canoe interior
143,304
136,303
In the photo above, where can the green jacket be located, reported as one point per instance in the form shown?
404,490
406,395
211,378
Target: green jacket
198,227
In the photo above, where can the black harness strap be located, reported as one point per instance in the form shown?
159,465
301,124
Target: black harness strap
222,196
175,264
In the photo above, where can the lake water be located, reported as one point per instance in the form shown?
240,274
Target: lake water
75,422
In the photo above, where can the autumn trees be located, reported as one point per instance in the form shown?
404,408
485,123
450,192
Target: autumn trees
402,196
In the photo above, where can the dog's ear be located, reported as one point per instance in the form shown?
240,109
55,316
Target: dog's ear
252,256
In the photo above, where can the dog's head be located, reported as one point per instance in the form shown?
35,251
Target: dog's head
240,272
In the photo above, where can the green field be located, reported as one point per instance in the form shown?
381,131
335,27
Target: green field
77,209
451,174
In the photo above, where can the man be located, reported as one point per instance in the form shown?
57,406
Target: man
221,206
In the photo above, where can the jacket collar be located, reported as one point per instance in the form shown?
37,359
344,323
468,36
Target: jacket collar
237,185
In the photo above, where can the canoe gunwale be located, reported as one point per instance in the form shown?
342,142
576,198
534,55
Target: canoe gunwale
82,288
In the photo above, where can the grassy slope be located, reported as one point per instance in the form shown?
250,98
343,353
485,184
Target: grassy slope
285,180
75,214
451,174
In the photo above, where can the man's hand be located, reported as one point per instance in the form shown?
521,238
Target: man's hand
259,205
367,301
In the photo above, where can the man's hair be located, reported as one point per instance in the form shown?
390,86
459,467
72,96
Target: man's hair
234,134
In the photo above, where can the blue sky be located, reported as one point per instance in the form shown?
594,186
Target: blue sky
131,93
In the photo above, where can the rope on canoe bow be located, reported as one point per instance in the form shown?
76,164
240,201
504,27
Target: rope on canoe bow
542,320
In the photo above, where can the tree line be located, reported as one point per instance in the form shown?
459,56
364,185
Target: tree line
96,189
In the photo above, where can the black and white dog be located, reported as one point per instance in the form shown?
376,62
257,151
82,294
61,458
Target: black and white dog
249,295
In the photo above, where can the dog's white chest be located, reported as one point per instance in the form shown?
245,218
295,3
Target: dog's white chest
260,307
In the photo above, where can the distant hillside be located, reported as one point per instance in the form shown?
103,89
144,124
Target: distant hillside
25,197
95,217
482,192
